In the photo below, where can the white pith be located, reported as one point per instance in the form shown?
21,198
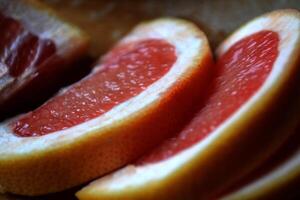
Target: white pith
173,31
276,178
137,176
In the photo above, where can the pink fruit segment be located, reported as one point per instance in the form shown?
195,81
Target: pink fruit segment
241,71
20,48
125,72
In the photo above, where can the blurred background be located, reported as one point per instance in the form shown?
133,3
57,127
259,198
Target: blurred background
108,20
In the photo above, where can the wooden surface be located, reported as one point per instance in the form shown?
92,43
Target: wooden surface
107,21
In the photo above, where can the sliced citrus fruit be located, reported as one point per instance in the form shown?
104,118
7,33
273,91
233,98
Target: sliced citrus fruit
140,93
34,43
238,127
280,181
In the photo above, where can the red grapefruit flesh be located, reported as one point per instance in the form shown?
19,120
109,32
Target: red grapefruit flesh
238,127
278,178
123,74
34,43
241,72
138,95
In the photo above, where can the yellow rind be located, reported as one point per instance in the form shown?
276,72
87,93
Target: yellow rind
245,144
103,150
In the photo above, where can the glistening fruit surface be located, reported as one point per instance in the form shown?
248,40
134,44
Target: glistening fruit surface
241,71
125,72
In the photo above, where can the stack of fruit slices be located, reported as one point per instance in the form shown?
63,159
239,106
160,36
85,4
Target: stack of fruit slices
252,109
145,90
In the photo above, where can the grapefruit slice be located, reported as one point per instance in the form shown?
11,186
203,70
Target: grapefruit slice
34,45
239,126
141,92
280,182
